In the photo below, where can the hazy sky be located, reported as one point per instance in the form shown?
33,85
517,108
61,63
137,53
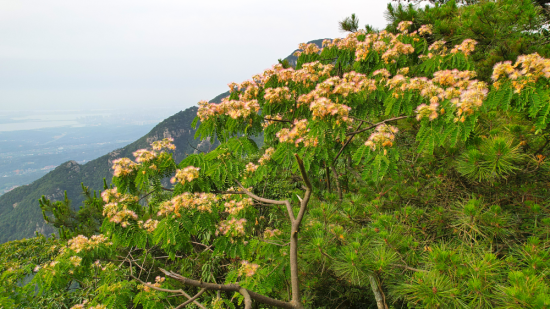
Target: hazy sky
67,54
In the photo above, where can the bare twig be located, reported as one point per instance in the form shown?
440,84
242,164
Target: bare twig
361,120
347,142
277,120
247,299
337,181
409,268
191,299
198,243
276,244
180,291
194,147
229,288
227,192
377,124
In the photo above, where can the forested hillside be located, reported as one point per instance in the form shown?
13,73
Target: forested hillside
20,214
398,168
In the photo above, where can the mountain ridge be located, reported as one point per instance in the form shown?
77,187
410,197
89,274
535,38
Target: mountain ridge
20,214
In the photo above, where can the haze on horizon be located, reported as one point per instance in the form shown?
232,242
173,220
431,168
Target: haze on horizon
142,54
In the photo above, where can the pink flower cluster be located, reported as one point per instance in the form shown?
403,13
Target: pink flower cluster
527,69
233,207
250,93
75,260
429,111
150,225
189,201
453,78
251,167
123,167
382,137
403,71
232,108
110,194
350,41
323,107
385,43
248,269
397,48
158,282
82,242
119,213
187,174
166,143
270,233
232,227
309,73
144,155
271,119
466,94
307,49
438,49
384,72
470,99
404,25
266,156
277,95
425,29
297,134
466,47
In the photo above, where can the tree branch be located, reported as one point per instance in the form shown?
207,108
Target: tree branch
180,291
409,268
268,201
309,189
277,120
227,192
377,124
543,146
247,300
361,120
380,302
229,288
191,299
338,187
347,142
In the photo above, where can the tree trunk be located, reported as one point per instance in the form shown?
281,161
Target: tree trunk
338,187
378,295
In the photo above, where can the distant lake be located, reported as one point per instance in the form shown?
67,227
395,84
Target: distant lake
41,119
19,121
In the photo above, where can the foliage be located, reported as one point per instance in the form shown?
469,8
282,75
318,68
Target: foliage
20,215
503,29
389,175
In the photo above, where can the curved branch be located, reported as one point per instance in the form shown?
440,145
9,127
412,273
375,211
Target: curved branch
247,300
376,124
277,120
309,189
357,131
229,288
269,201
347,142
180,291
191,299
